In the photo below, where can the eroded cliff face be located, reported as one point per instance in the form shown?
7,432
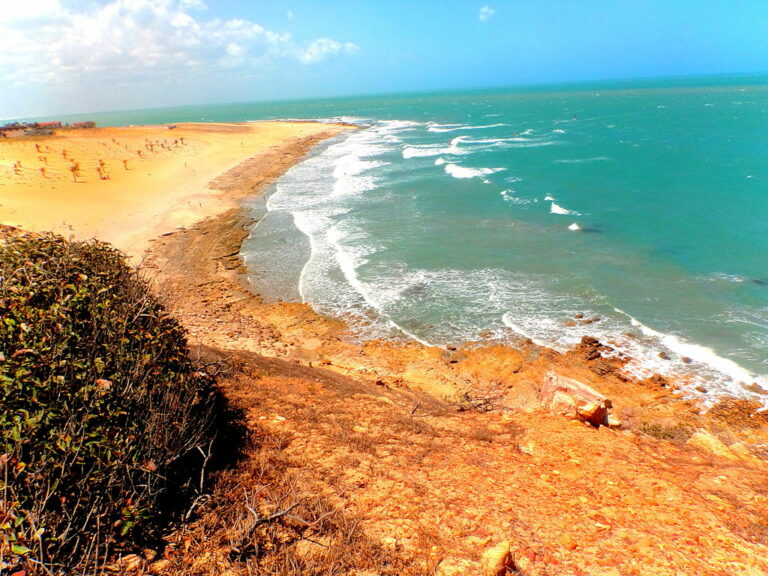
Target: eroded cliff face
452,461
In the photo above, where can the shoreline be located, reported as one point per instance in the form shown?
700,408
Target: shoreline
234,182
445,454
591,496
129,185
698,369
247,181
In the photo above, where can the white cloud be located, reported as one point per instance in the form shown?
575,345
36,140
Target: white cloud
136,42
486,13
318,50
24,11
193,4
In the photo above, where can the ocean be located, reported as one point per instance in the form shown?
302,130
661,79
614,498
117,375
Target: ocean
635,212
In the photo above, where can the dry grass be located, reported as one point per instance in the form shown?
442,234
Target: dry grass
270,517
677,433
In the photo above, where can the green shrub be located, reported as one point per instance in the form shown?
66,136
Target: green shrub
102,412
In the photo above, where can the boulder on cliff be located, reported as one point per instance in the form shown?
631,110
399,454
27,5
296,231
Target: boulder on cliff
575,399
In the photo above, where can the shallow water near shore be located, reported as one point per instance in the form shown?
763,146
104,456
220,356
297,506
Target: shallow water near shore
635,215
633,212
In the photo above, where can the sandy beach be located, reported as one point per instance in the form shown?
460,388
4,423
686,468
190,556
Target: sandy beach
447,459
133,184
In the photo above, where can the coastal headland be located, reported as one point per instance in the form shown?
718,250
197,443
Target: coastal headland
480,459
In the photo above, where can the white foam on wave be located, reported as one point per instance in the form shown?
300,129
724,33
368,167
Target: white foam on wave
574,227
433,294
723,277
533,311
557,209
529,144
319,193
522,331
429,150
463,172
509,196
541,315
433,127
423,151
350,259
496,140
757,318
558,131
316,192
583,160
701,354
518,141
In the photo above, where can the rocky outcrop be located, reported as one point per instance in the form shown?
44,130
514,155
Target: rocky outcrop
496,560
575,399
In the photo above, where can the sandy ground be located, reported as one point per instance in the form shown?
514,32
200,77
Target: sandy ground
153,179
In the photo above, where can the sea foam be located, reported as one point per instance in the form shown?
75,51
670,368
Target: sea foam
557,209
429,150
462,172
432,127
702,354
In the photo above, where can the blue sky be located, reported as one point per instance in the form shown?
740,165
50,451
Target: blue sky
68,56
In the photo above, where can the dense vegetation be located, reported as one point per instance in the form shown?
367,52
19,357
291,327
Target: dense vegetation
104,416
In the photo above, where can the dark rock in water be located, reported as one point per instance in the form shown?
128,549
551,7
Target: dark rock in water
664,355
570,323
579,316
760,281
590,347
590,341
685,360
701,389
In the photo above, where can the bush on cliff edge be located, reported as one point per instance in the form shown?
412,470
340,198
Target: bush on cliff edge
102,412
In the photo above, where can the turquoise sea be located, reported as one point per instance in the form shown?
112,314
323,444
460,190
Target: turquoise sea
636,212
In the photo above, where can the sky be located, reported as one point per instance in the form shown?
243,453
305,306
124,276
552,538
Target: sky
70,56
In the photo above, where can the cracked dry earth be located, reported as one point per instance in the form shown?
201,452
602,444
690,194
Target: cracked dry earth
391,438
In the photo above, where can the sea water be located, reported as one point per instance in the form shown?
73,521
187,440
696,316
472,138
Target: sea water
633,212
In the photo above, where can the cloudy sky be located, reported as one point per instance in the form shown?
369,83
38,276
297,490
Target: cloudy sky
69,56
